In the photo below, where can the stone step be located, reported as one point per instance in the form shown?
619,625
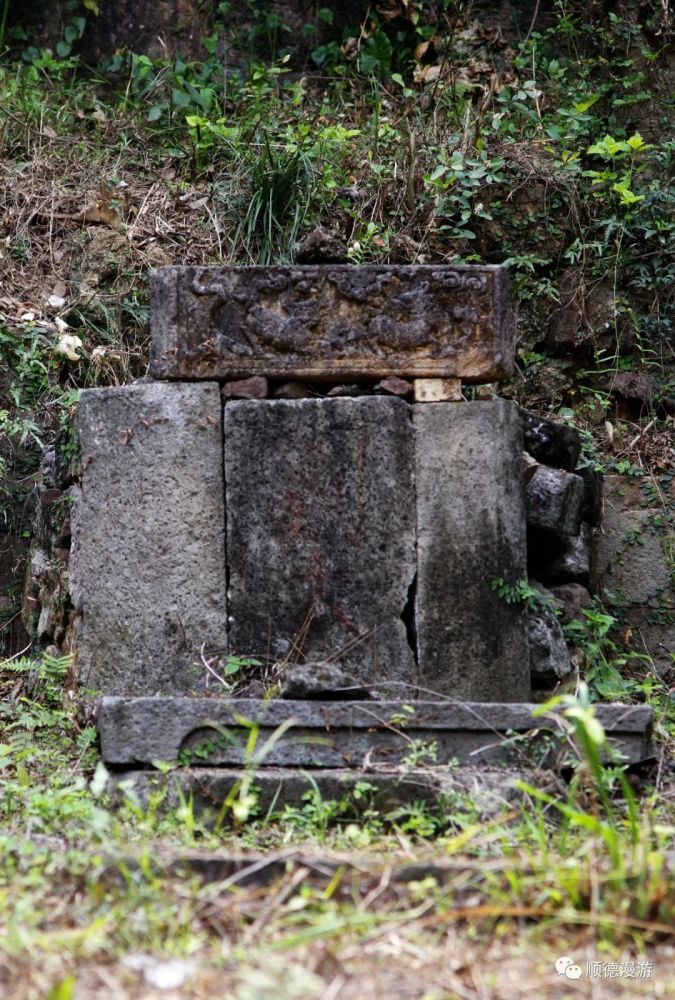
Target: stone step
319,322
484,792
358,735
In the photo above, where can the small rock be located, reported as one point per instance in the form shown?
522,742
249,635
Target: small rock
293,390
573,599
550,442
162,973
553,500
565,325
49,496
247,388
549,655
322,246
634,386
573,563
530,466
254,689
320,680
487,392
395,386
349,391
592,504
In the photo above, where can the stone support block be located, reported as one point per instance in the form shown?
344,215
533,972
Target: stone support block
554,501
332,321
470,531
438,390
148,559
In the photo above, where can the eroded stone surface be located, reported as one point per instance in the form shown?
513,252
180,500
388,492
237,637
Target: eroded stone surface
554,501
328,321
329,734
635,561
550,441
471,531
572,600
148,559
485,789
321,532
549,655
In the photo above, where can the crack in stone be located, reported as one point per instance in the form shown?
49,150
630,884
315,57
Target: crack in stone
409,617
225,539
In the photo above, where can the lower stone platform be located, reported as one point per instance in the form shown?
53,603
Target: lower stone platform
352,735
216,792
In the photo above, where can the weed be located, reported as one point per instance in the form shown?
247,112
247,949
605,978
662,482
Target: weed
605,663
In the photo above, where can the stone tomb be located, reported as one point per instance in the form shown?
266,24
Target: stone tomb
357,537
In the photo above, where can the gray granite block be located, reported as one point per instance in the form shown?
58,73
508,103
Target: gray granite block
554,501
148,559
471,531
321,533
549,656
214,731
332,321
550,441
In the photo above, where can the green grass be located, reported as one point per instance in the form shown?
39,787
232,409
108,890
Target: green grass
85,881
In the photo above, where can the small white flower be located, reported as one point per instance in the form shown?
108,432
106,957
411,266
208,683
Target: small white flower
60,324
28,317
68,346
98,354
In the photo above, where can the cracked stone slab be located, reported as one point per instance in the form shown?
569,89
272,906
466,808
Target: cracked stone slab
214,731
148,560
328,321
320,507
471,531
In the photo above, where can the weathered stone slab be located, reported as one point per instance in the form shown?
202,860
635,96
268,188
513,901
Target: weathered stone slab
636,551
148,559
554,501
470,531
210,731
327,321
321,532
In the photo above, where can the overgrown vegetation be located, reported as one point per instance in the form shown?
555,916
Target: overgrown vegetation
581,871
425,132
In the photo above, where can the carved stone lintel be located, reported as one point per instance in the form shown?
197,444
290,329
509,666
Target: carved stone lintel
325,321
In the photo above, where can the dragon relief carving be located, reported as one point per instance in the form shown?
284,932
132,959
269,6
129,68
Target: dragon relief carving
247,321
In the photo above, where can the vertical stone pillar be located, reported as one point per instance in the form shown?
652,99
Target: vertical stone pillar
148,559
471,530
321,533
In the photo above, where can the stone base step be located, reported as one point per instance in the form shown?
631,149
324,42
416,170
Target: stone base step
216,792
362,736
